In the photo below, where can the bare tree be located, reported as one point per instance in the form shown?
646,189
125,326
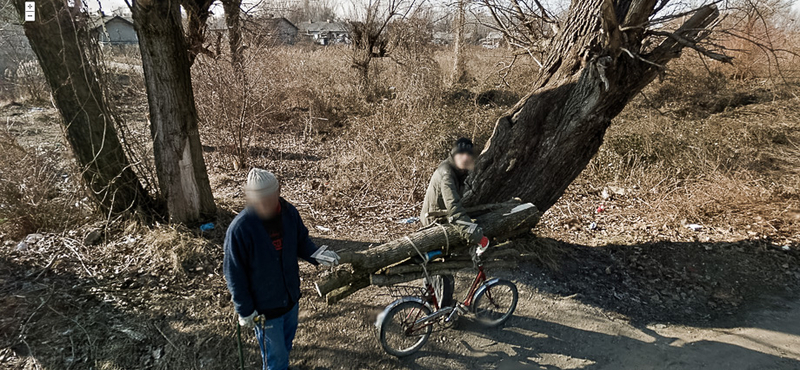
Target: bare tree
167,61
233,21
603,53
59,40
197,13
368,32
459,74
318,10
525,24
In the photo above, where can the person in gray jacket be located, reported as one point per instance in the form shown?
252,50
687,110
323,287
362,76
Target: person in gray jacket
443,204
443,198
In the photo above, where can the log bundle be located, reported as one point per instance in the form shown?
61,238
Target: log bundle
381,265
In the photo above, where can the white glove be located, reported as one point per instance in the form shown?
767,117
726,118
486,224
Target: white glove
249,321
326,257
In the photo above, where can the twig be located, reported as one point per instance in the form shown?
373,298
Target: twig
52,260
67,242
88,337
165,337
693,45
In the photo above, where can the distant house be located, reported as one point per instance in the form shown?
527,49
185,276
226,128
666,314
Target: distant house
114,30
493,40
447,38
325,33
279,30
443,38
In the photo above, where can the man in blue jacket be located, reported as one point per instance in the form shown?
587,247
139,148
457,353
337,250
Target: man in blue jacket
262,246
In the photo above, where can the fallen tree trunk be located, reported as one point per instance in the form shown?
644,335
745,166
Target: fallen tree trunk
408,273
498,224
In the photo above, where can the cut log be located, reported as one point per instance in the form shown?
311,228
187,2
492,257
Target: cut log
500,222
406,273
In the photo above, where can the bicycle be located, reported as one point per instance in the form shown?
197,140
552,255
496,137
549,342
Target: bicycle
491,301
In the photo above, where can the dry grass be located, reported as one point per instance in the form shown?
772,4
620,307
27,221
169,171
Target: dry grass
698,142
699,148
36,191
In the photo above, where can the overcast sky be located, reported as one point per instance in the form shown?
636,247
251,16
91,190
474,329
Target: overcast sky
107,5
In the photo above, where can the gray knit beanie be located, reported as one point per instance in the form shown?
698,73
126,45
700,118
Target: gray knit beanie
260,183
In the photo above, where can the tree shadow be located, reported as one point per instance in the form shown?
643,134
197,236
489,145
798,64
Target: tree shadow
735,340
55,317
64,319
688,283
540,344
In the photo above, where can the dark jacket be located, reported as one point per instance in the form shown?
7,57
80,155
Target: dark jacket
253,270
443,199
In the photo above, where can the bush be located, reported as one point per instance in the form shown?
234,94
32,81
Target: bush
34,194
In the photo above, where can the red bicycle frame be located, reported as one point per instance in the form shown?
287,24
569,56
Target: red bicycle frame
479,279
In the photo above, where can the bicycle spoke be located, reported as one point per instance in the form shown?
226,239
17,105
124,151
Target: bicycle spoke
401,332
496,304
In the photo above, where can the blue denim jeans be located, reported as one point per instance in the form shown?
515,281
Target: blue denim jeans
275,340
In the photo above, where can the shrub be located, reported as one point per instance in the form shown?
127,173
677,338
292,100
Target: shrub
35,195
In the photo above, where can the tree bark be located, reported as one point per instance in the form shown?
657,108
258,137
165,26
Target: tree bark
178,154
497,224
406,273
595,65
60,42
233,21
197,13
459,75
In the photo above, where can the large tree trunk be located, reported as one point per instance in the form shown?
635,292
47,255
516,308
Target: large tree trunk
499,222
233,21
173,116
60,42
459,75
197,13
595,65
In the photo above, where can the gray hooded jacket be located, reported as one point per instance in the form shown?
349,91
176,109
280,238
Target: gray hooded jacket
443,200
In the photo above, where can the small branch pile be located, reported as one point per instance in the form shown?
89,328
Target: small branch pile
381,265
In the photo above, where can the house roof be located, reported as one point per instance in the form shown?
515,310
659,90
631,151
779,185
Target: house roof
276,21
96,22
318,27
494,35
441,35
218,23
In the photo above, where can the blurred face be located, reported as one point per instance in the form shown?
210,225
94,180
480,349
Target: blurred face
267,206
464,161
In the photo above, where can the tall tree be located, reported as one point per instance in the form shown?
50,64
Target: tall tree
604,53
197,13
167,62
368,32
233,21
459,75
58,38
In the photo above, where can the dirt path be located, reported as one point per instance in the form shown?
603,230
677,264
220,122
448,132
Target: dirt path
555,332
565,334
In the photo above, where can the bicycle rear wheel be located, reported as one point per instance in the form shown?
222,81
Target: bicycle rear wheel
397,332
495,302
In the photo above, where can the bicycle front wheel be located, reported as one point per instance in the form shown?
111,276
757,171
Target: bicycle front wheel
397,329
495,302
